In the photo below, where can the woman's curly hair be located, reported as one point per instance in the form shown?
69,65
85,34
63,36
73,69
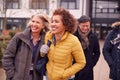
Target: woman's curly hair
68,19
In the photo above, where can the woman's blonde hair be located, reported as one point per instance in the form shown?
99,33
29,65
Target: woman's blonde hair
115,24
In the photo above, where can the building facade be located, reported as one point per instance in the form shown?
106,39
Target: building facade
16,13
103,13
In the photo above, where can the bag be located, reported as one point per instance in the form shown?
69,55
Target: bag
41,65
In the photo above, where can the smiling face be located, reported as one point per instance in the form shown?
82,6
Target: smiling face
84,27
57,26
36,24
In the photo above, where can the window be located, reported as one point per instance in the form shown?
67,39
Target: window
13,4
111,10
98,10
69,4
16,23
105,10
39,4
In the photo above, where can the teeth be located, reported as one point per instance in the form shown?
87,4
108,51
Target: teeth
34,28
53,28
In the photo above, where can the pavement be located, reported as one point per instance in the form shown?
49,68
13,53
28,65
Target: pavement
101,70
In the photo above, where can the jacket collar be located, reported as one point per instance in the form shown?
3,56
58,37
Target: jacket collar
63,37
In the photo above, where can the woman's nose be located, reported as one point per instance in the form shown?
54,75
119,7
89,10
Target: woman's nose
53,23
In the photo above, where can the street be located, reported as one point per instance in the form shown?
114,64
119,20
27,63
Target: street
101,70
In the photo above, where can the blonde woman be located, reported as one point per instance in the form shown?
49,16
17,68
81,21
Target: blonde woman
22,54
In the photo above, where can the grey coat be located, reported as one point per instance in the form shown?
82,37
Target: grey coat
17,62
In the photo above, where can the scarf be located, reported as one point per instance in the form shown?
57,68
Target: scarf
84,39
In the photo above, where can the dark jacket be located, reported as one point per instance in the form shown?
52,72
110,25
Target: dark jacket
92,54
111,52
17,62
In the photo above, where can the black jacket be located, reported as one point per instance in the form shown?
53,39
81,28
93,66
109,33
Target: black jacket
92,54
111,53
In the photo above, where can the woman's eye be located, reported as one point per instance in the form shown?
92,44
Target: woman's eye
38,22
55,21
33,21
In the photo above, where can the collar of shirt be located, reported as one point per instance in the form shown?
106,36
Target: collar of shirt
31,40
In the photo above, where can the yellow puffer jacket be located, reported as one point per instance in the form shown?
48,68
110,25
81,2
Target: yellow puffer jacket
61,55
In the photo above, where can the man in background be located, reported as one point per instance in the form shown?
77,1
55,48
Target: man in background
90,45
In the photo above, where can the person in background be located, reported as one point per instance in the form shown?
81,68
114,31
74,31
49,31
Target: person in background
22,54
90,45
111,51
64,47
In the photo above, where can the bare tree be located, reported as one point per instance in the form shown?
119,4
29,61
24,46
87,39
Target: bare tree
4,13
